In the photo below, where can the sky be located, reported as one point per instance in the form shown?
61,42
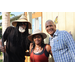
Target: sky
15,13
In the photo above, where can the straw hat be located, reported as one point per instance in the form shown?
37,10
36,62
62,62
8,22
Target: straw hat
22,19
37,31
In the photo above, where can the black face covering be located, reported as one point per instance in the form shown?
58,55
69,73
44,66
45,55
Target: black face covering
18,36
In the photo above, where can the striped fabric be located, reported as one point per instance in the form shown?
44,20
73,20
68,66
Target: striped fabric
62,46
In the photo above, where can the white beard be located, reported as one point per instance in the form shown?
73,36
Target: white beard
21,29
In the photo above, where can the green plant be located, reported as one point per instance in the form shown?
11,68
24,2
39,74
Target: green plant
0,32
0,27
10,15
1,60
1,54
0,35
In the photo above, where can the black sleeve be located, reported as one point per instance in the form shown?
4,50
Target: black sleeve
7,32
27,43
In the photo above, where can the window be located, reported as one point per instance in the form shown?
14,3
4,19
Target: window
36,23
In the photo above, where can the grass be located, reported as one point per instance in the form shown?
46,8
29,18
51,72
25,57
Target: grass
0,38
1,60
0,30
1,54
0,27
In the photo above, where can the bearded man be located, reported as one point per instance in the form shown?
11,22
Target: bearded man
16,40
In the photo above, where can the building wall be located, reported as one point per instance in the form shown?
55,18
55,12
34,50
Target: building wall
66,21
36,14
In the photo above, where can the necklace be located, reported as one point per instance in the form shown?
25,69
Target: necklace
37,50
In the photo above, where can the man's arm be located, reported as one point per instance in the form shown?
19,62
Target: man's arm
30,47
4,38
6,33
27,43
70,43
27,53
2,49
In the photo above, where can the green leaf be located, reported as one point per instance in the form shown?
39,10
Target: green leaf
1,17
12,15
0,27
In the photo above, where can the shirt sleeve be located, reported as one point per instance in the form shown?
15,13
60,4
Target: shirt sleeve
27,43
70,43
6,33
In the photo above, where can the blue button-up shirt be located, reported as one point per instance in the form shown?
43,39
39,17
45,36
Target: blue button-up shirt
62,46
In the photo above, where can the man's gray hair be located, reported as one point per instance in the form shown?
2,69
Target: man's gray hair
50,21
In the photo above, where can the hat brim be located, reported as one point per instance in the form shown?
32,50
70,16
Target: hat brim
30,37
14,23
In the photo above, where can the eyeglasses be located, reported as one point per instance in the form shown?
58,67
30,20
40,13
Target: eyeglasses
22,23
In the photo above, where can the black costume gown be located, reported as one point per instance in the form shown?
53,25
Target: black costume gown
15,51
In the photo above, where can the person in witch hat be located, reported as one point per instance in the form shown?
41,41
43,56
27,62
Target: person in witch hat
16,40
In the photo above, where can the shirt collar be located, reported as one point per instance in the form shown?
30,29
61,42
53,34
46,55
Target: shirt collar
55,34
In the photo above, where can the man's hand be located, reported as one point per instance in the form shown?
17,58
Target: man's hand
3,49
